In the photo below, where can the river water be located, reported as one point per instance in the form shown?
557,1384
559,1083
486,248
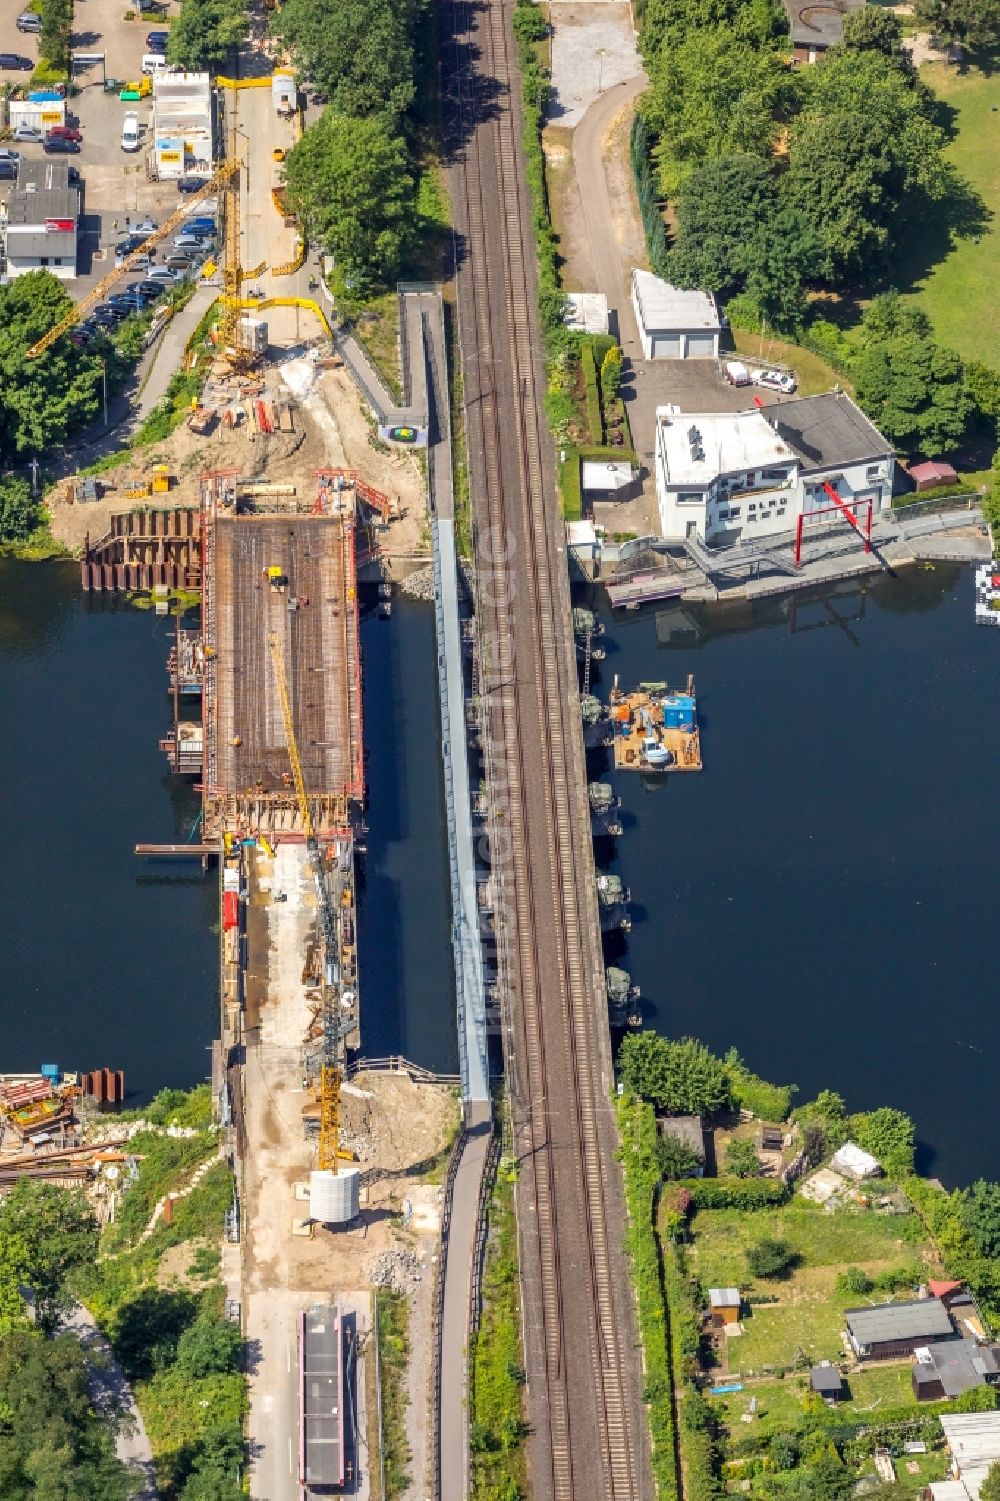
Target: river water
108,959
823,895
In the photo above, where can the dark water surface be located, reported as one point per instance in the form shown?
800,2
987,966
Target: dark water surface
108,959
404,904
824,896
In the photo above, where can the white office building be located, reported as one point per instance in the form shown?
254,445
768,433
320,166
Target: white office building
736,477
43,217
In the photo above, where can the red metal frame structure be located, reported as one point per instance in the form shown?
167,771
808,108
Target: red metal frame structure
839,505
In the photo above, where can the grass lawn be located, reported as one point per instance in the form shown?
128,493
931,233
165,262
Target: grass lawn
813,374
808,1316
959,293
779,1402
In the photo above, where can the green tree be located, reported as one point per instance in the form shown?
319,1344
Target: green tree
827,1106
872,29
991,500
741,1158
216,1466
358,52
981,1216
770,1259
204,33
209,1346
889,1136
529,23
720,213
676,1158
983,383
55,41
864,160
611,373
14,1265
989,1489
972,23
915,392
40,399
680,1078
57,1230
53,1447
713,94
855,1281
347,178
18,510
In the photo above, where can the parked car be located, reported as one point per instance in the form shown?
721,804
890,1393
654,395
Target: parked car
13,62
192,242
130,131
8,171
28,133
737,373
74,175
200,225
774,380
151,289
129,242
147,226
6,155
108,317
156,41
59,145
141,262
29,20
164,273
153,63
190,184
63,132
179,262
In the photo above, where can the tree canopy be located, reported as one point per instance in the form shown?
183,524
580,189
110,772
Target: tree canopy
359,53
347,179
770,1259
981,1214
914,390
203,34
741,1158
972,23
41,399
58,1232
18,510
53,1447
889,1136
680,1078
863,160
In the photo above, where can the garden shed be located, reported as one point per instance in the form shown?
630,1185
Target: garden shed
826,1381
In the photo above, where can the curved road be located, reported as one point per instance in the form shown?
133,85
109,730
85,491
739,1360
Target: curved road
592,184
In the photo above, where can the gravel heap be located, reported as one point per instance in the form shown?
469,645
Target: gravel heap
397,1270
418,585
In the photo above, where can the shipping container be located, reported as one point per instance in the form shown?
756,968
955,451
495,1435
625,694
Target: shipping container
230,910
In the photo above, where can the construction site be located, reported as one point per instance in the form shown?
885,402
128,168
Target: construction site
250,524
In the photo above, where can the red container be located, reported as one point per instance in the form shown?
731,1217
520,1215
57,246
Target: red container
230,910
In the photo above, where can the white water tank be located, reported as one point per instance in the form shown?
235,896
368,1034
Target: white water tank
335,1198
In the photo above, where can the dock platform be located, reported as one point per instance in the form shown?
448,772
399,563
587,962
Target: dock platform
656,730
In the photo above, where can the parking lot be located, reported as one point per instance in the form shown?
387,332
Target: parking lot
114,185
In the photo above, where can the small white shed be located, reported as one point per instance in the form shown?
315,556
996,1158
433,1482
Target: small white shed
607,477
587,312
674,323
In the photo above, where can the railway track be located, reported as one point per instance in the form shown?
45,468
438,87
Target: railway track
587,1425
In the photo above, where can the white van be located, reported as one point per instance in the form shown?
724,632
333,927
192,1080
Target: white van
130,131
152,64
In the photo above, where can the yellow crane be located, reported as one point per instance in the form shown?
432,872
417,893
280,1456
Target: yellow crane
330,1073
220,177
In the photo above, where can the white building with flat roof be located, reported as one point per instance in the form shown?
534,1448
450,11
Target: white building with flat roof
973,1441
736,477
674,323
183,125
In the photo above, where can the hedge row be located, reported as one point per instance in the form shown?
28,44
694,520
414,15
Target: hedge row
535,89
645,187
697,1443
592,393
736,1193
640,1163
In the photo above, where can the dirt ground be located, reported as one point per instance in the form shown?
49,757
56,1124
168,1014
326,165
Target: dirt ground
577,270
331,429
